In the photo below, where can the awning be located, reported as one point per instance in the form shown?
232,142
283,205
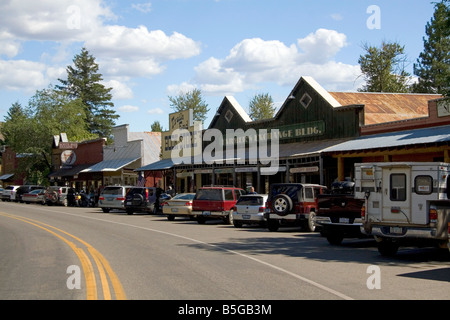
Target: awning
69,172
395,139
6,176
110,165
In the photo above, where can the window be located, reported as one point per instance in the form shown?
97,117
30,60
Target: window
398,187
309,194
229,194
305,100
423,185
237,194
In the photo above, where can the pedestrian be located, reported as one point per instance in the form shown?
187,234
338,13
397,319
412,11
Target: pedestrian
252,190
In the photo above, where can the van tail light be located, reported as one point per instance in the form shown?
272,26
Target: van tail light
146,193
120,198
261,209
189,203
433,215
363,212
101,198
164,203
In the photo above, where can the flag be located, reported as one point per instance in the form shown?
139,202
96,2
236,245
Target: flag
141,181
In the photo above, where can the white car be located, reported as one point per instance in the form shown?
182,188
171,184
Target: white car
9,193
249,209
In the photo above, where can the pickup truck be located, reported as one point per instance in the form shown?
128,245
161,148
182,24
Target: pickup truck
339,213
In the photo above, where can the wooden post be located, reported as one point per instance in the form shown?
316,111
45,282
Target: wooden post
340,163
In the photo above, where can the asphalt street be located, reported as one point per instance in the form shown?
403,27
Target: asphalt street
50,252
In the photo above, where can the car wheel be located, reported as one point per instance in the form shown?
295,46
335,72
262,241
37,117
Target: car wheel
273,225
129,211
105,210
170,217
282,204
201,220
387,247
237,224
335,239
138,199
230,217
311,224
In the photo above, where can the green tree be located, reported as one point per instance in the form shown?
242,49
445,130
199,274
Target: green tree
156,127
384,68
29,131
433,64
261,107
190,100
83,82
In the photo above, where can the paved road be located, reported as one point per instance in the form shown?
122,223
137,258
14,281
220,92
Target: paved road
83,253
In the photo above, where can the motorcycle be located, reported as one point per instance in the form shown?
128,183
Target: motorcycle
83,199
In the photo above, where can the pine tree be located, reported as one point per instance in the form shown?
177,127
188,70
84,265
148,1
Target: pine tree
433,64
383,68
190,100
261,107
83,82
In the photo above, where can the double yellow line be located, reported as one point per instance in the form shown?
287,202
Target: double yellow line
103,267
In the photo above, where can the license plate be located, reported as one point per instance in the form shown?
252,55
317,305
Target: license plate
206,213
344,220
396,230
246,216
109,199
174,209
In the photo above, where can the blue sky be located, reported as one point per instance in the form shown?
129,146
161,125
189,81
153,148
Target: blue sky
149,50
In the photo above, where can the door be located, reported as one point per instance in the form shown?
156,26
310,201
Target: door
396,195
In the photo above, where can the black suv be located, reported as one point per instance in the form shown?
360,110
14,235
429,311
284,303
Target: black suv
292,204
140,199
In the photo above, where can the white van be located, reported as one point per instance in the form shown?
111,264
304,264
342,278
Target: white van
404,201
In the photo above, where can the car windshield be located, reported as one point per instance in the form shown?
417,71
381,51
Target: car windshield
209,194
184,196
112,190
37,191
250,201
291,190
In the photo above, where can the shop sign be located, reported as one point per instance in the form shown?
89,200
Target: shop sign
68,157
304,169
68,145
247,169
200,171
225,170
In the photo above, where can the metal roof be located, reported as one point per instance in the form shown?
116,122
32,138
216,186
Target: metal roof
110,165
158,165
395,139
381,107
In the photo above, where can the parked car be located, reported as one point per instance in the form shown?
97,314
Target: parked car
25,189
35,196
339,213
56,195
140,199
215,202
9,193
249,209
113,197
179,206
292,204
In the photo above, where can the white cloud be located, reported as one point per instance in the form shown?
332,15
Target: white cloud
18,74
156,111
121,51
120,89
252,62
142,7
128,108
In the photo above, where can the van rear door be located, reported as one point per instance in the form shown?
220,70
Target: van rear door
396,194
